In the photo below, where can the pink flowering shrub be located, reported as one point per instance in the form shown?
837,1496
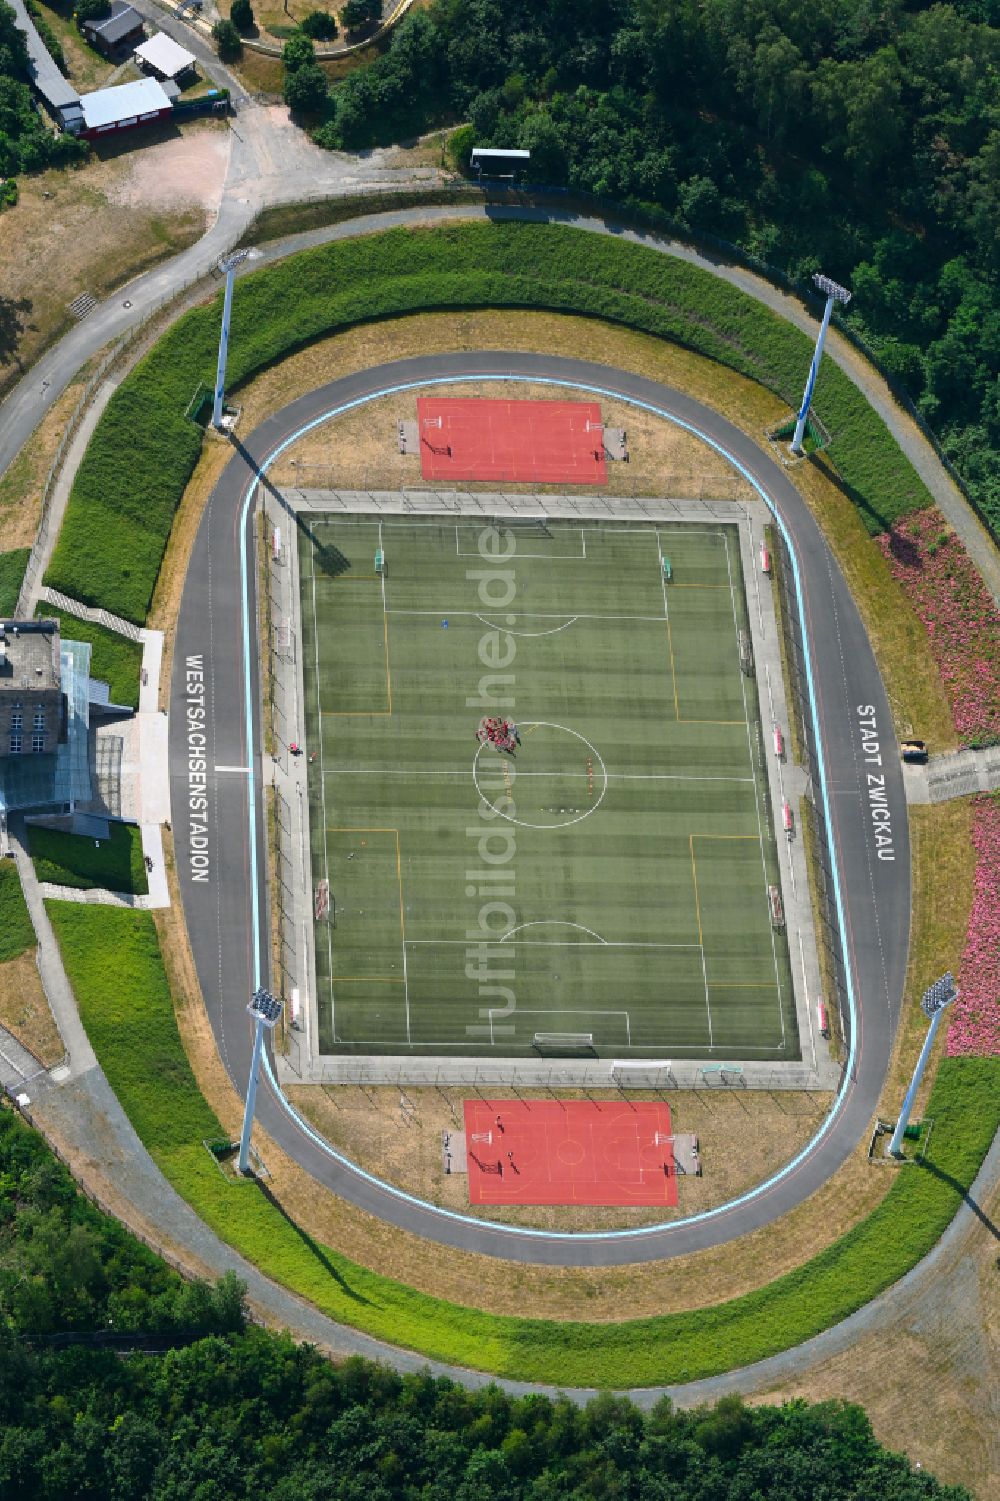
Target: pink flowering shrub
974,1021
961,618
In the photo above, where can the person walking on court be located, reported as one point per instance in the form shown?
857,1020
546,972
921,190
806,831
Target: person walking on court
500,1125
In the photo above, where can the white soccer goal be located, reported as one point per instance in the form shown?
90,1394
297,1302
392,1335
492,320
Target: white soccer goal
646,1075
563,1042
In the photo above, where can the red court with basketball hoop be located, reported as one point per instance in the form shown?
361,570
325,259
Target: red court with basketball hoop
539,442
605,1152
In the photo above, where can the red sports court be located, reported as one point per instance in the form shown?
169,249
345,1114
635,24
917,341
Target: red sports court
570,1152
539,442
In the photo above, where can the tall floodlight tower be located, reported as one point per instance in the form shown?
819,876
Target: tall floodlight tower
935,1000
834,293
227,265
266,1011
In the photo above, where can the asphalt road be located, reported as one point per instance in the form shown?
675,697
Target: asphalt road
219,882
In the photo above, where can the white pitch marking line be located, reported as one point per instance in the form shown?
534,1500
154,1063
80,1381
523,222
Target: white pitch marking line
552,943
462,772
322,783
524,615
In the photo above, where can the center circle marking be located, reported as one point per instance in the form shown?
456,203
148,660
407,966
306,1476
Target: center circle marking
569,1153
544,724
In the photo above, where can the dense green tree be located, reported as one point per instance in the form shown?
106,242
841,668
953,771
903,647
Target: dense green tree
91,10
242,17
861,139
305,89
320,25
227,41
355,13
298,52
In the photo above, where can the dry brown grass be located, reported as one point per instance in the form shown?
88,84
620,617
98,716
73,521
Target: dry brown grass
744,1135
22,482
359,451
215,455
25,1011
87,68
910,674
66,236
943,866
930,1381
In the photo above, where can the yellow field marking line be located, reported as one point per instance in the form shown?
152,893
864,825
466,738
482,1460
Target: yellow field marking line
402,935
531,730
743,984
358,714
723,836
694,877
506,779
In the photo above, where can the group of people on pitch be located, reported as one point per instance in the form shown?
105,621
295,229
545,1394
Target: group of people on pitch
502,734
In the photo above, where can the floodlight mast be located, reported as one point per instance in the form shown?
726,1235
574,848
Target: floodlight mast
834,293
935,1000
266,1010
228,265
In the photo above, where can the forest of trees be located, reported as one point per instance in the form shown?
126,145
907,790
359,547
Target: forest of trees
25,144
121,1382
857,136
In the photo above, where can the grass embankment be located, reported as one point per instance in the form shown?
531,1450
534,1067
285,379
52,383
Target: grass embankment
115,863
16,932
114,659
826,940
12,566
119,516
24,1010
129,1017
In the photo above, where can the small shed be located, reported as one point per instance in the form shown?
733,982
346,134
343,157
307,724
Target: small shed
120,32
164,58
124,107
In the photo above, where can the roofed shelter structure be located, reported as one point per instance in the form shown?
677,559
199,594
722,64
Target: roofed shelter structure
124,107
164,58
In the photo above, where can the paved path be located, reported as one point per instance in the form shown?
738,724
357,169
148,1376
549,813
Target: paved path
50,966
85,1116
223,874
957,774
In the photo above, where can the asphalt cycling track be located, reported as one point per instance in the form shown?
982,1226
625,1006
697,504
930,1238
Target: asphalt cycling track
215,724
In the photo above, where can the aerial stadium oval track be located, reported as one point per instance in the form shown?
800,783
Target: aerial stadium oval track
226,912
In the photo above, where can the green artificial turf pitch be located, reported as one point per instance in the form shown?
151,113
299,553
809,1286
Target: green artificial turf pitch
616,871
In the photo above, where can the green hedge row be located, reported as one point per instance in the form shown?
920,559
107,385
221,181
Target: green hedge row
128,1014
144,450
